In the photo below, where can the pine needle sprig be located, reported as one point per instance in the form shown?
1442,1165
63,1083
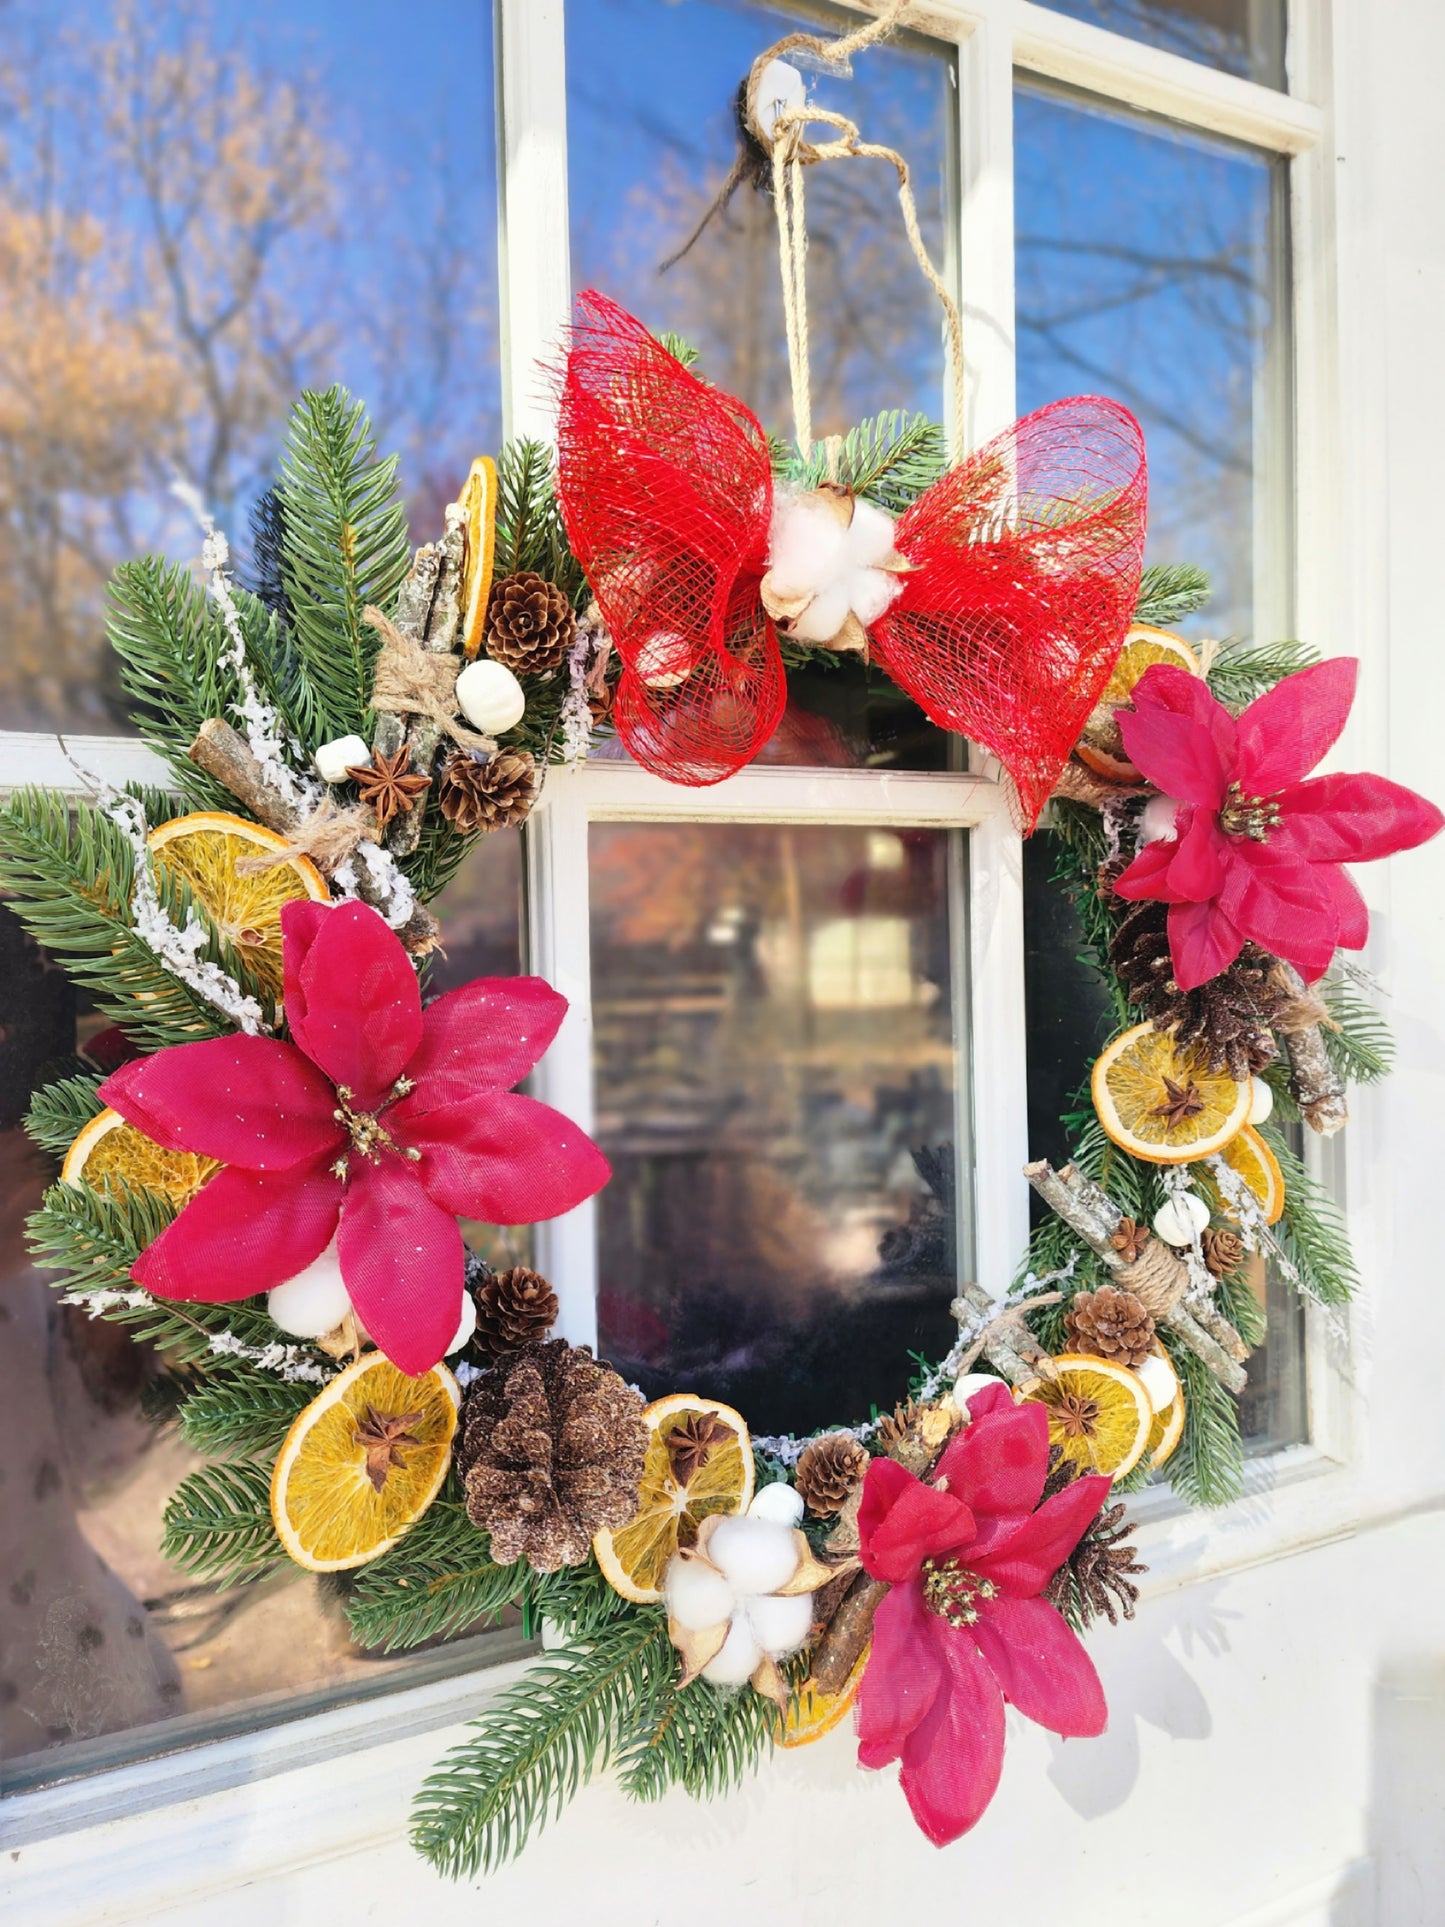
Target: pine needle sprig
890,459
1312,1233
701,1739
60,1112
1361,1047
530,532
539,1742
1169,591
680,348
217,1524
344,545
1243,670
241,1414
577,1599
438,1581
1207,1467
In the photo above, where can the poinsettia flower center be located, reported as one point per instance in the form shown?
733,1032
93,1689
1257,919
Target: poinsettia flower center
952,1592
1251,816
369,1136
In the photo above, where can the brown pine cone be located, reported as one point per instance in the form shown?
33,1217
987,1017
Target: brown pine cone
530,624
515,1309
829,1469
1232,1016
1111,1324
1097,1579
552,1450
1223,1250
487,792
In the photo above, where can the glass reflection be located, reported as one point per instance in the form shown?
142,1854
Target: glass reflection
204,206
776,1069
1244,37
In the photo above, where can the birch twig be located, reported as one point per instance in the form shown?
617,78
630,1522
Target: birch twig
423,733
1315,1085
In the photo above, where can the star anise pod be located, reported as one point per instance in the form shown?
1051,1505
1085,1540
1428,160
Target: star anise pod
1182,1102
690,1445
386,786
383,1435
1130,1239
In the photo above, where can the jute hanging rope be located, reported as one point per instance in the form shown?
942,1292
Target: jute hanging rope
785,139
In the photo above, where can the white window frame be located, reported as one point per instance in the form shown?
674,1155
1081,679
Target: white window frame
328,1778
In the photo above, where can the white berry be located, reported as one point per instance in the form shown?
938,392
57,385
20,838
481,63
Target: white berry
1159,1381
1261,1100
1179,1218
490,697
333,760
467,1326
965,1387
315,1301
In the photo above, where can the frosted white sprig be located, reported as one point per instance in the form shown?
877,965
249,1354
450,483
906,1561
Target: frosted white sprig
290,1362
104,1299
390,883
1177,1182
178,949
575,720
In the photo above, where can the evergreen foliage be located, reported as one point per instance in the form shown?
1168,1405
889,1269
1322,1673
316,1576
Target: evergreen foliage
702,1739
529,532
242,1414
218,1524
1207,1467
1311,1235
890,459
438,1581
1357,1037
1169,591
60,1112
1243,670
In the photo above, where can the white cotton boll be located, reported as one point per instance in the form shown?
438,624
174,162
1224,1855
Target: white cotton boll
780,1626
1261,1101
965,1387
823,617
808,545
333,760
870,592
1157,819
1177,1219
870,535
783,1504
758,1555
737,1661
467,1326
1159,1381
315,1301
490,697
697,1596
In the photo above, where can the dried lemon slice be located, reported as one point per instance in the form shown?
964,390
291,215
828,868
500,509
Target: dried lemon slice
362,1463
1168,1425
479,503
671,1504
1162,1102
1249,1155
204,851
1101,748
812,1714
1099,1413
110,1149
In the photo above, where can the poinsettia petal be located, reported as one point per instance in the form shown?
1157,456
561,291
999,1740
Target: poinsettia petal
1148,875
359,1011
1285,732
250,1101
902,1522
1022,1559
402,1260
243,1232
484,1037
999,1461
1041,1666
1179,736
1278,900
301,920
953,1758
1197,872
1355,819
501,1158
1352,919
904,1674
1202,942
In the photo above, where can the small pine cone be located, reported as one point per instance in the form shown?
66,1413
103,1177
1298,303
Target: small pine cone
1111,1324
1231,1017
487,792
828,1471
515,1309
530,624
552,1449
1223,1250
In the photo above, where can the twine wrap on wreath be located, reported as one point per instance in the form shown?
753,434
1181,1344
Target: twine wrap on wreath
1156,1278
411,680
328,836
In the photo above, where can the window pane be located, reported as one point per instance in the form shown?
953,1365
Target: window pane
776,1066
106,1650
1152,266
651,136
206,207
1244,37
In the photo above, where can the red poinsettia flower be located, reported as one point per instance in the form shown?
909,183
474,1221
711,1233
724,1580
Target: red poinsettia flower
963,1628
387,1119
1256,851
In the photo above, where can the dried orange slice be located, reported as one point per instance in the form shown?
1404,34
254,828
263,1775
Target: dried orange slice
1161,1382
204,850
1099,1413
479,500
1249,1154
110,1149
1144,646
669,1508
812,1714
362,1463
1161,1101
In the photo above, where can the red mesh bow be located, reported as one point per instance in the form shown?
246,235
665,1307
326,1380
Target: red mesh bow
1025,565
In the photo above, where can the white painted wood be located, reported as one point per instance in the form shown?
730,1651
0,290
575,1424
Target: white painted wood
534,270
71,763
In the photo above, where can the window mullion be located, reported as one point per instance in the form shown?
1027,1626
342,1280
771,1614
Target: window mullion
533,260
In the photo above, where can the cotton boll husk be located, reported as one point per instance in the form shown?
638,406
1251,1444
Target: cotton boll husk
697,1596
780,1626
824,615
781,1503
467,1326
758,1555
315,1301
734,1665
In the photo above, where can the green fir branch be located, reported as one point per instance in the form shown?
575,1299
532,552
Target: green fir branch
60,1112
217,1524
344,545
438,1581
680,349
702,1739
539,1742
1360,1047
1243,670
530,534
1311,1234
577,1599
1208,1463
890,459
242,1414
1169,591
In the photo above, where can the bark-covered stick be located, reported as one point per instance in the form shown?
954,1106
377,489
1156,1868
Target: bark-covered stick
413,612
849,1631
1009,1349
1314,1083
423,733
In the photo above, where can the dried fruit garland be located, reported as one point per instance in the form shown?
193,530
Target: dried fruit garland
280,1211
